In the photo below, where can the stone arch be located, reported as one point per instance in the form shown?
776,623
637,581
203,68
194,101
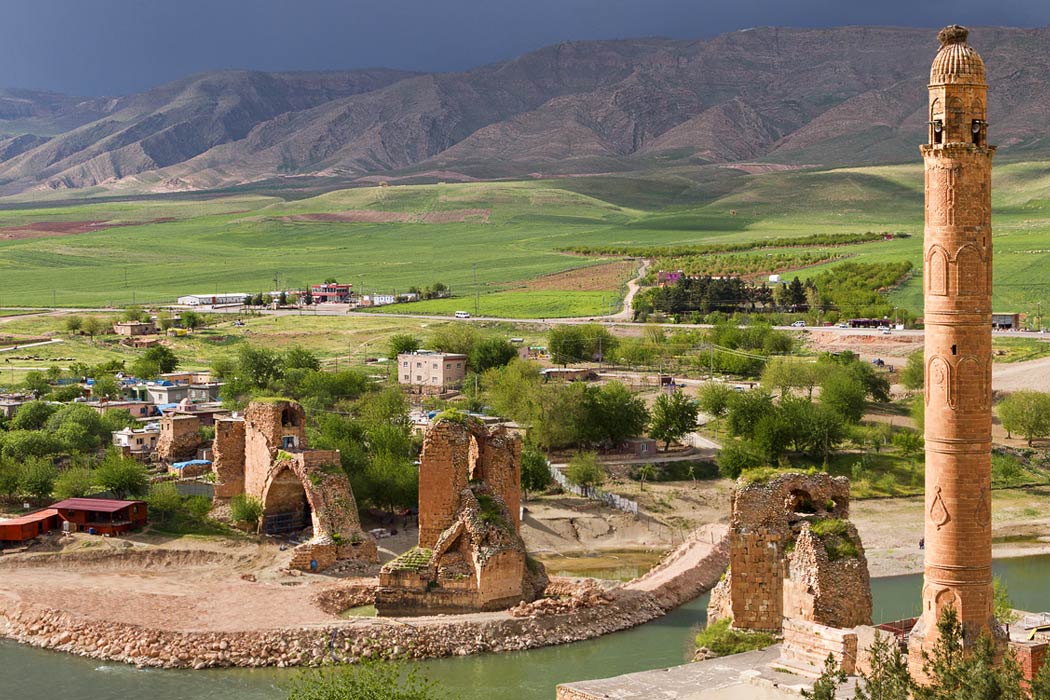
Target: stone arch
939,384
937,271
289,417
969,271
977,109
286,503
936,108
953,115
800,501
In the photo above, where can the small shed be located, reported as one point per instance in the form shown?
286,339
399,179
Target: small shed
641,447
101,516
26,527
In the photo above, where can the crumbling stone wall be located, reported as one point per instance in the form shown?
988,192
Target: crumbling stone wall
228,462
779,568
275,466
179,438
470,555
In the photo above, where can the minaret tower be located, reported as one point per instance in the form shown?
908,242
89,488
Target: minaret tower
957,277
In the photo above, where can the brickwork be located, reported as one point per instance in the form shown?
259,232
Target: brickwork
1030,655
179,438
778,568
957,290
810,643
470,555
228,462
265,456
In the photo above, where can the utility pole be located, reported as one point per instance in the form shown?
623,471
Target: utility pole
477,297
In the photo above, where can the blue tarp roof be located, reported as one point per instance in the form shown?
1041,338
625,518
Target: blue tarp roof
191,463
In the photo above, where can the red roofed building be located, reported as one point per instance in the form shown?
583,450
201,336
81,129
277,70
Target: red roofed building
101,516
27,527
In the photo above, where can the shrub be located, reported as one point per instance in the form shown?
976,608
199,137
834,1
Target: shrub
75,482
737,456
37,477
720,639
834,533
245,509
585,471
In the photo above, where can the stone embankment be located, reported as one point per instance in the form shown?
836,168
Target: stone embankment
581,611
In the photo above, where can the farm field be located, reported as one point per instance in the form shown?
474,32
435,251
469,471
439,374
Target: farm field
489,239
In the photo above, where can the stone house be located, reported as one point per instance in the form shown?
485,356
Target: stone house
431,372
133,328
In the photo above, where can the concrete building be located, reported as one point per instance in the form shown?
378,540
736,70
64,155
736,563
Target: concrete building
431,372
1006,322
332,293
957,254
137,443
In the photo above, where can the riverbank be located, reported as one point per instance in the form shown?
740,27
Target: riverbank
193,639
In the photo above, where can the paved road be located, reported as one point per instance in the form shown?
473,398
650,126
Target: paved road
30,345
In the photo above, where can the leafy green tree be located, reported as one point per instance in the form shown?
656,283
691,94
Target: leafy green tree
92,326
122,476
192,320
401,343
909,442
831,677
673,417
23,444
772,434
369,680
299,357
106,386
36,477
73,324
32,415
1026,413
736,456
491,352
133,313
783,375
913,375
514,390
1002,606
612,414
458,338
645,472
37,382
163,357
74,437
889,678
75,482
824,430
9,473
714,400
844,394
165,503
580,343
1040,685
746,408
585,471
258,366
535,472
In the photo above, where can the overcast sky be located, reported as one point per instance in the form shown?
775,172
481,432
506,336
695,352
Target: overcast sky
110,47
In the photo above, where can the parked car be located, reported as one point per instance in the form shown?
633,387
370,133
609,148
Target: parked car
799,324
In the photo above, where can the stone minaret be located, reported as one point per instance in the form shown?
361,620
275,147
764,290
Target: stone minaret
957,273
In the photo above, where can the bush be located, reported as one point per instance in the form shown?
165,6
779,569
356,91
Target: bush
834,533
585,471
122,476
368,680
737,456
245,509
75,482
36,477
720,639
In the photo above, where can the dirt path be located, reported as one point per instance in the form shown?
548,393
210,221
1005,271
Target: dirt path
1016,376
627,312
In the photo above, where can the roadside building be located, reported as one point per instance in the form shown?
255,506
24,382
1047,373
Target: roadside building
15,531
225,299
187,377
165,392
1006,321
378,299
133,328
431,372
331,293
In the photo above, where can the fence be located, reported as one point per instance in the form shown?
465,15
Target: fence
595,494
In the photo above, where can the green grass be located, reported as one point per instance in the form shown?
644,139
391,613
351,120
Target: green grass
522,304
239,243
721,639
1019,349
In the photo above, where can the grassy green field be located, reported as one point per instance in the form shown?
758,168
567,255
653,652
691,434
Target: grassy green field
495,236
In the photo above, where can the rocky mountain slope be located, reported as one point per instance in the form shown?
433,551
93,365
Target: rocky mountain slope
829,96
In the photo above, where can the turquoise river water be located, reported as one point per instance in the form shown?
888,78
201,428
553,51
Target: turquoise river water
33,674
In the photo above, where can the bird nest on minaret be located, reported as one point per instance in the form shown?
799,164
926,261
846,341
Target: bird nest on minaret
953,34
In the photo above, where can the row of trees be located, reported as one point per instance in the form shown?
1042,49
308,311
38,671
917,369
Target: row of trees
39,479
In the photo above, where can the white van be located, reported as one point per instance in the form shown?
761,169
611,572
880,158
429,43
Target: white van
462,314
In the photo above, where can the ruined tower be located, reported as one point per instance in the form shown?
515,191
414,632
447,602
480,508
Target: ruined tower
957,274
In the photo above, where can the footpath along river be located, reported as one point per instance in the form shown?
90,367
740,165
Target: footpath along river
33,674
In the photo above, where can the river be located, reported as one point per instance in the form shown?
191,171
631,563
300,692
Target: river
33,674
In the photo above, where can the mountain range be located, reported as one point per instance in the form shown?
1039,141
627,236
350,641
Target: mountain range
848,95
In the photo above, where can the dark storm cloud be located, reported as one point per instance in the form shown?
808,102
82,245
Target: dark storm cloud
117,46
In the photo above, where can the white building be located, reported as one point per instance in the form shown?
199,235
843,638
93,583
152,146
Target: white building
212,299
137,442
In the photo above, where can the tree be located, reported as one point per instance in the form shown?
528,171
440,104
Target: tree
32,415
455,337
134,313
368,680
1040,686
92,326
491,352
74,324
843,393
736,456
1026,413
107,387
645,472
889,678
830,678
75,482
36,477
246,509
164,358
23,444
535,471
400,343
37,382
783,374
585,471
714,400
259,366
122,476
192,320
913,374
1002,607
746,408
299,357
612,414
673,417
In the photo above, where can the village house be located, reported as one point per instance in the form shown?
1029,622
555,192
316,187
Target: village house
133,328
96,516
187,377
138,443
138,409
9,403
431,372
